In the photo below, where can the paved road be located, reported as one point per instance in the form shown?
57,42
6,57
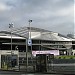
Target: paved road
23,73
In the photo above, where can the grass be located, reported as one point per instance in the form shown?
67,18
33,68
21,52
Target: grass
64,57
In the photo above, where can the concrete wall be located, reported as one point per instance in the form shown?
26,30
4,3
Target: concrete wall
3,52
73,52
23,54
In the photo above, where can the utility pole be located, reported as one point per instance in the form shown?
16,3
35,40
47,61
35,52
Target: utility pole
11,26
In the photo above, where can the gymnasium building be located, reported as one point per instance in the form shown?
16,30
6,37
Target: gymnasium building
23,42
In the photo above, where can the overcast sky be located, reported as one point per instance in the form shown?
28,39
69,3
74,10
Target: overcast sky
53,15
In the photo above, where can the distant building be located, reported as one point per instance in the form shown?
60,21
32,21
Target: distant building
71,35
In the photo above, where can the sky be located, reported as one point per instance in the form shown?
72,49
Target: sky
52,15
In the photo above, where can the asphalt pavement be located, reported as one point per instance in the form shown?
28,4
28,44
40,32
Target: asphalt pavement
24,73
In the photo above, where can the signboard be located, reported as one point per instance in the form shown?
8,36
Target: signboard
29,42
55,52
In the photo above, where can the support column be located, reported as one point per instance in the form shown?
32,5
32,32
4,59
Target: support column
0,61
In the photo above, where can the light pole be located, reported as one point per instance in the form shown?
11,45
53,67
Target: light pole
30,40
29,29
28,43
11,26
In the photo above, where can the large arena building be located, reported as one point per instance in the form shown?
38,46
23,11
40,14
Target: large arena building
27,42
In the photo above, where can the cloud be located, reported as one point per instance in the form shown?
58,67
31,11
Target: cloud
74,16
4,7
54,15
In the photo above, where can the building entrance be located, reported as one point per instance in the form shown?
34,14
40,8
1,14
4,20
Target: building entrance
42,62
8,62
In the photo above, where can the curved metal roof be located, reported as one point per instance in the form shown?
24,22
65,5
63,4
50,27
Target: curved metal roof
36,33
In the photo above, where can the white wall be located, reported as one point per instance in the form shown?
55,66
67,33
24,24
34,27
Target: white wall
7,52
73,52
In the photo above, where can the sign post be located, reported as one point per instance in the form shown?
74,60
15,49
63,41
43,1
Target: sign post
29,42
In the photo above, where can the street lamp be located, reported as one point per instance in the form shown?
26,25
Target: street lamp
29,40
30,29
11,26
28,43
